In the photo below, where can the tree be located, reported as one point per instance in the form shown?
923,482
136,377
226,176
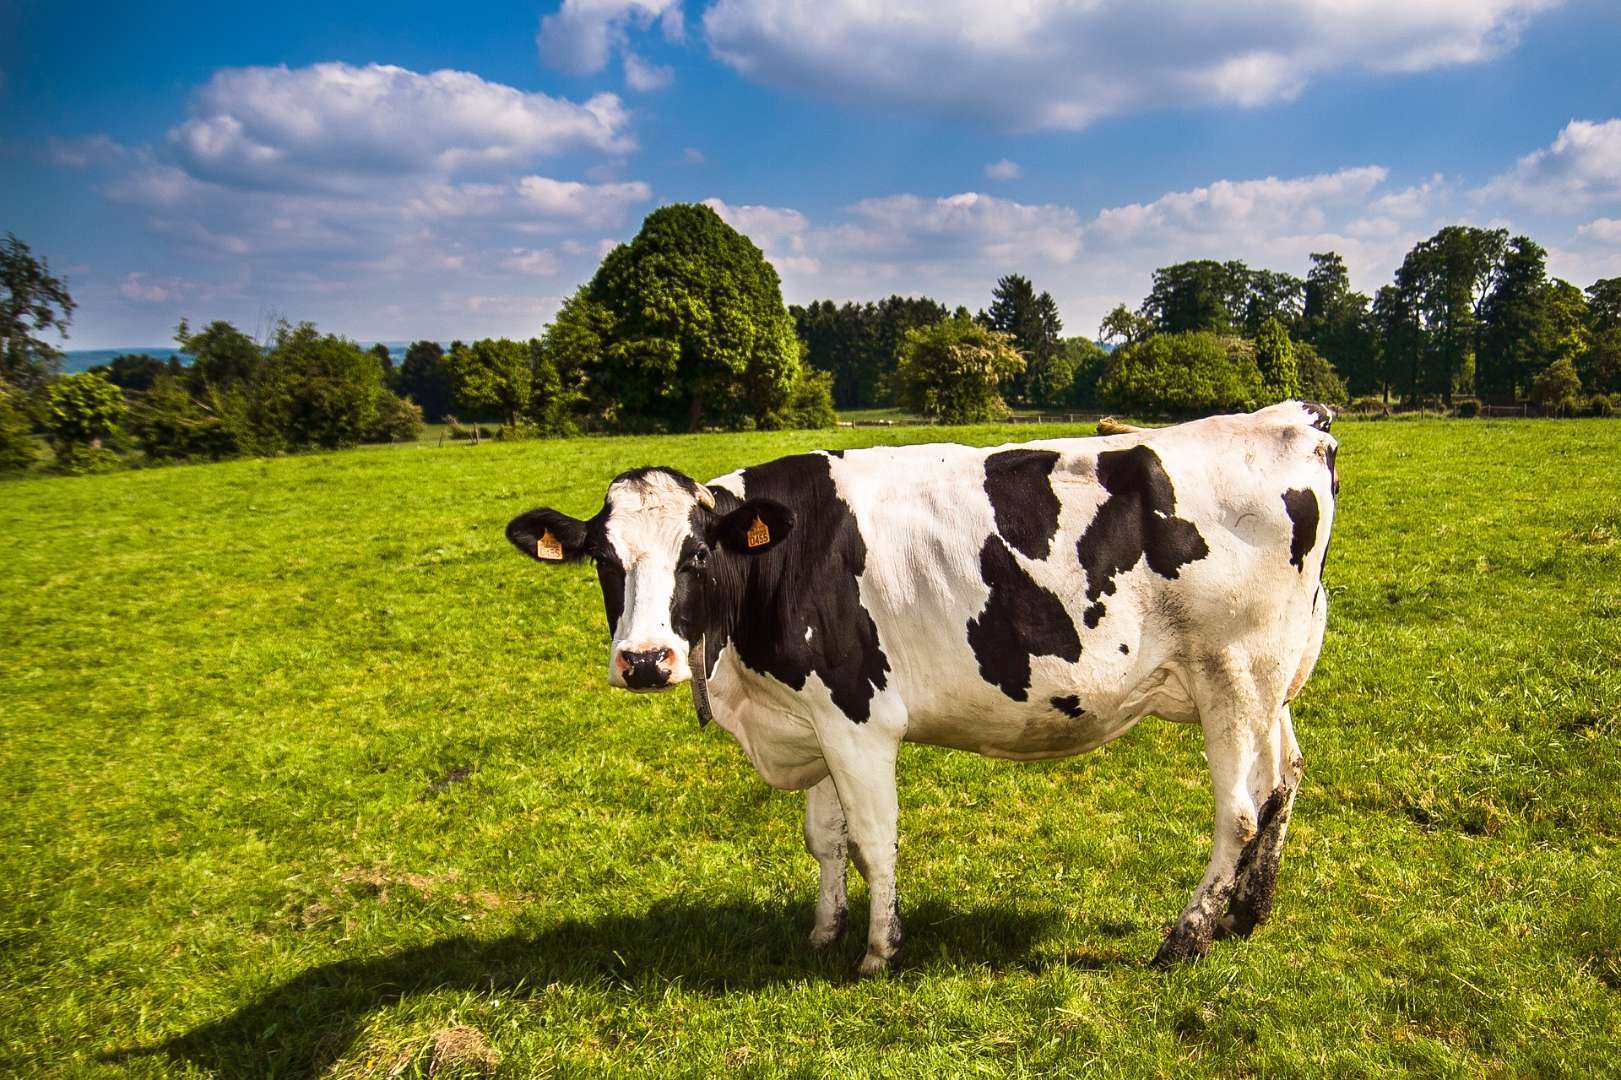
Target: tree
1088,360
385,359
1271,295
132,372
1275,358
1201,294
223,358
315,390
1126,325
1604,303
953,371
83,410
1400,337
1031,322
33,301
1557,387
1447,277
169,425
1515,323
1189,374
1338,323
492,377
423,379
700,336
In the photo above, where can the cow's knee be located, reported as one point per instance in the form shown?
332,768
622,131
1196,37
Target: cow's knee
827,841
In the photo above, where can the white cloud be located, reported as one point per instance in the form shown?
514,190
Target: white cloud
644,77
85,151
340,126
1062,64
579,37
777,231
530,261
138,287
1004,170
1604,230
1581,168
581,204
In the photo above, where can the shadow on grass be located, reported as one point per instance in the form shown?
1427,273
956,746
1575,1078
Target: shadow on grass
301,1027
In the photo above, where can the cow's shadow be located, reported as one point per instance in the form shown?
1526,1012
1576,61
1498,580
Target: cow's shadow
302,1026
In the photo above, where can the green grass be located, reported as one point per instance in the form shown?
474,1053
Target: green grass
234,697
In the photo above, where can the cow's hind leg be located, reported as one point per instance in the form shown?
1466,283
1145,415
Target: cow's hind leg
1244,742
1257,875
827,840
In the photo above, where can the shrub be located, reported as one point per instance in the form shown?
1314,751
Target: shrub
1187,374
315,390
809,404
1600,405
83,410
16,435
398,420
953,371
1555,389
83,459
1318,379
1370,406
1467,409
470,432
169,425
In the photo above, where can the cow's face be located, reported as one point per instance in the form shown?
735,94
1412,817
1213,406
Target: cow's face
662,546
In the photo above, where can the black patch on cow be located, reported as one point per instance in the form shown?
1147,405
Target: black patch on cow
1333,472
765,603
1125,650
1022,498
1136,521
1301,504
1322,415
611,576
1069,705
1021,619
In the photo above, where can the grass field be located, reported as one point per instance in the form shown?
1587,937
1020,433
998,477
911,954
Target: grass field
307,773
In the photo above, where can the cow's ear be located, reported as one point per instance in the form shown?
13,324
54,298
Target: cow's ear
547,536
754,527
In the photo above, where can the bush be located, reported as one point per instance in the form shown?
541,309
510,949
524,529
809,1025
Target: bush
83,459
315,390
83,410
953,371
809,404
1600,405
16,435
1370,406
1555,389
398,420
1318,379
169,425
1189,374
472,433
517,431
1467,409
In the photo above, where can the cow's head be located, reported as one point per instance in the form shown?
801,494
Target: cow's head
666,549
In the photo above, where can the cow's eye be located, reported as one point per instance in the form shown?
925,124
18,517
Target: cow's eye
698,559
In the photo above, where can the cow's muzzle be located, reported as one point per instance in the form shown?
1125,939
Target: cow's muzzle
650,669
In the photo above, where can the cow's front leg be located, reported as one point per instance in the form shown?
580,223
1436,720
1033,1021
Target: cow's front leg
1245,745
827,841
861,764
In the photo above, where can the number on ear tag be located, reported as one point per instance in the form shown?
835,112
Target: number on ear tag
759,535
547,547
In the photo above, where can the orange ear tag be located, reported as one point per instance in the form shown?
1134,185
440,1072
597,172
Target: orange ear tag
548,548
759,535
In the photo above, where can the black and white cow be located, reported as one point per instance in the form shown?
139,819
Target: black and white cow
1026,602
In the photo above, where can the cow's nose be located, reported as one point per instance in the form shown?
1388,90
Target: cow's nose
645,670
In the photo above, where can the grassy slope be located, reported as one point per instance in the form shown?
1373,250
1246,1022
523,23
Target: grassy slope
228,692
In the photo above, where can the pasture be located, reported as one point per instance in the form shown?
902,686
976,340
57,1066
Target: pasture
308,773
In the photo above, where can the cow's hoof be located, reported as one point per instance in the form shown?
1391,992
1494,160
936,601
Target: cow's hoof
872,964
823,936
1184,943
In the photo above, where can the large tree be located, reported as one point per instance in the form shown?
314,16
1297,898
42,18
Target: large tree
493,377
700,336
1446,278
1338,323
1031,322
422,378
315,390
33,301
1515,323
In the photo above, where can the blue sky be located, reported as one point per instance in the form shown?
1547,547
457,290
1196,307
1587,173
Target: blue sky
413,170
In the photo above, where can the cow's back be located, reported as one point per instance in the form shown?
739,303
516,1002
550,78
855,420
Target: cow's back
1035,600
